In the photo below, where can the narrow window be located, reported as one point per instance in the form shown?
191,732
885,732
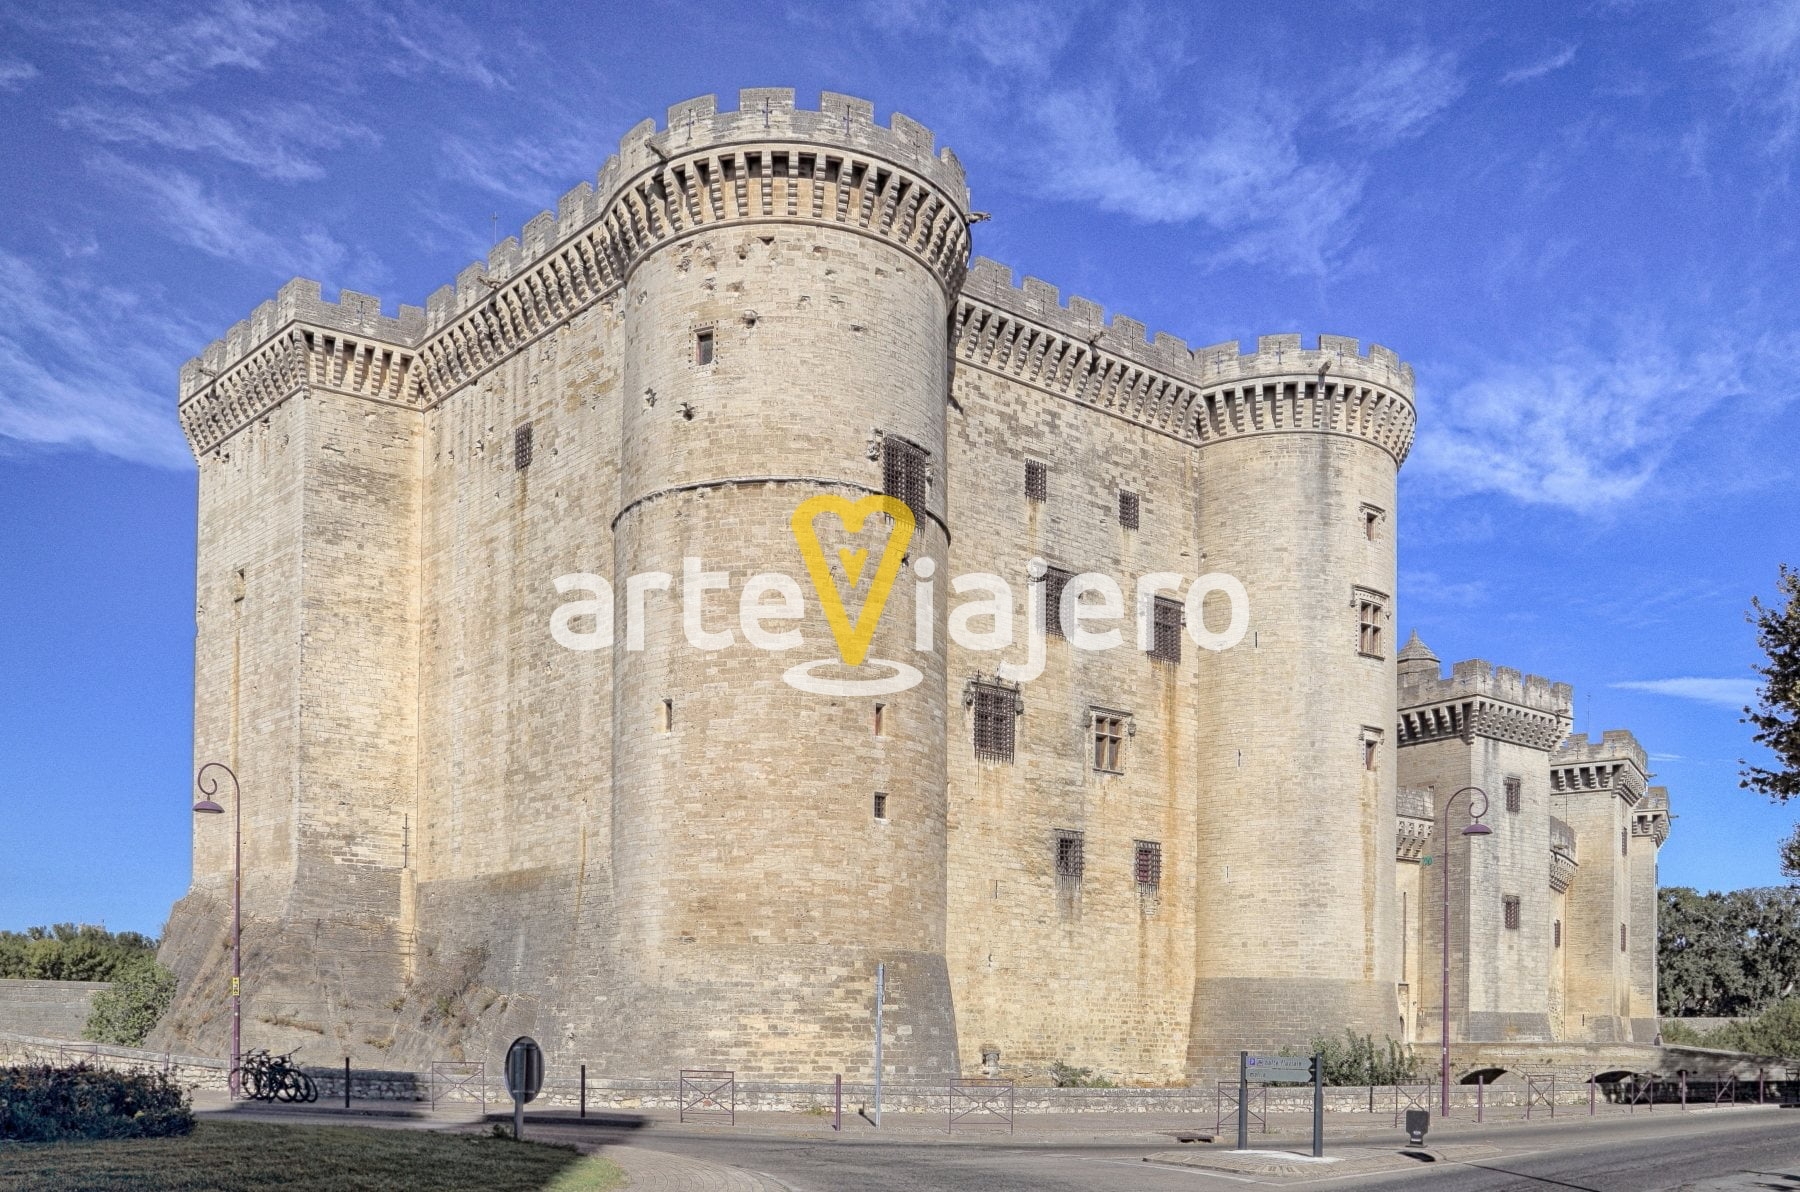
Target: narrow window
1055,580
1068,857
1371,754
1510,904
1370,612
703,346
237,587
881,805
666,717
1514,794
522,447
994,708
1146,866
903,473
1624,841
1128,510
1622,937
1165,630
880,727
1109,735
1037,480
1371,522
1556,934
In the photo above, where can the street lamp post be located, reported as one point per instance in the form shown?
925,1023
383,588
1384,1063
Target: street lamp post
208,785
1475,828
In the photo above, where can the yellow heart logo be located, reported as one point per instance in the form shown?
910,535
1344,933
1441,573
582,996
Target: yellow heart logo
852,639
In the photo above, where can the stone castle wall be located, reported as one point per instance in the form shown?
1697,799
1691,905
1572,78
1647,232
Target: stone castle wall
457,830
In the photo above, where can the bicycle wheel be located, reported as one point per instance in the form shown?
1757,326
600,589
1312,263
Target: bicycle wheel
309,1089
288,1085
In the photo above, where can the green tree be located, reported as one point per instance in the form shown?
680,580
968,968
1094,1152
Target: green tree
125,1013
1726,955
66,952
1776,715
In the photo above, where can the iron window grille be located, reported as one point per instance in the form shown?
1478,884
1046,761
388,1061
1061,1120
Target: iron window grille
904,473
1622,938
1165,630
1128,509
881,805
1146,866
994,708
1510,903
1556,934
1069,860
1037,480
1514,794
522,447
1624,842
1055,580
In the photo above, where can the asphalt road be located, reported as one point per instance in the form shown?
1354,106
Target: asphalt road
1743,1151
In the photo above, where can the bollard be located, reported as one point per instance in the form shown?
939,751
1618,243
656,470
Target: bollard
837,1103
1684,1089
1759,1086
1481,1098
1593,1079
346,1082
1243,1139
583,1112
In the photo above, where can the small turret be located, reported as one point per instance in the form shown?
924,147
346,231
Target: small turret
1416,658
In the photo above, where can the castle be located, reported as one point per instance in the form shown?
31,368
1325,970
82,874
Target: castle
470,812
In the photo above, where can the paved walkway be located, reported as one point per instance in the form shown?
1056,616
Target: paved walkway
659,1171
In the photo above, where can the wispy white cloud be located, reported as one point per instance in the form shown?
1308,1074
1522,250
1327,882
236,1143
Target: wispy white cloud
191,214
1432,588
283,144
1586,423
530,169
1759,41
1725,693
15,73
1009,35
86,366
1397,94
1554,61
152,52
435,40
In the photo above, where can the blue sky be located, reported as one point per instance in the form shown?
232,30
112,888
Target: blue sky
1577,221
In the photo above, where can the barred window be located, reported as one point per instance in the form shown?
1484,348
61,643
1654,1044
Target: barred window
522,447
1037,480
903,473
1109,737
1146,866
1055,580
1514,794
1556,934
1128,509
1068,856
994,707
881,805
1510,904
1624,841
1165,630
1622,938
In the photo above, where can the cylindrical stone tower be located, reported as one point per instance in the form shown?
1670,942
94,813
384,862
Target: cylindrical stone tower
1295,849
788,276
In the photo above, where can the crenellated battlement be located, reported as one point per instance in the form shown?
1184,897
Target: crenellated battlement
1616,763
1479,677
1027,333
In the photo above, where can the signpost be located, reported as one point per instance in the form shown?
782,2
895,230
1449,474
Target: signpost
524,1077
1281,1069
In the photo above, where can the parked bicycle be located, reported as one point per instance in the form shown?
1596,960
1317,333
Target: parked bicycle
264,1077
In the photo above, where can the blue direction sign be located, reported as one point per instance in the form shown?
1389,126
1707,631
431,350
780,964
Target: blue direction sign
1279,1069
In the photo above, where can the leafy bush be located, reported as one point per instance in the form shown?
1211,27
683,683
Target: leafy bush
1776,1031
1067,1076
1357,1061
45,1104
65,952
124,1014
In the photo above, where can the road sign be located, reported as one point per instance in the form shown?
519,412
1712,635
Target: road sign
1279,1069
524,1068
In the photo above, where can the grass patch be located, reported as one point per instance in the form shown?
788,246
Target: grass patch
248,1156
